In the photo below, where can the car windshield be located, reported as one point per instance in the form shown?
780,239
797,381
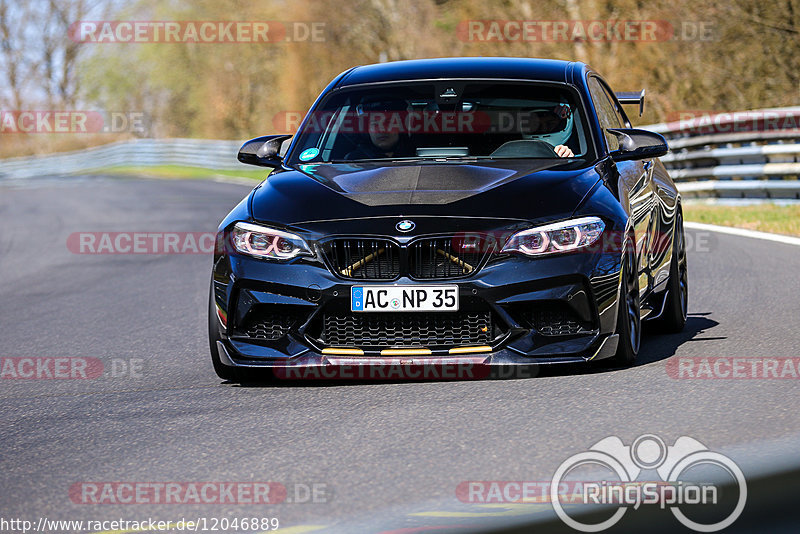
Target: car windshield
444,120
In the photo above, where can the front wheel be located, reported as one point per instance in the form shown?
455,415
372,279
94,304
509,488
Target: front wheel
629,322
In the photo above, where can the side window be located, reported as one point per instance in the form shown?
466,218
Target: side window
606,112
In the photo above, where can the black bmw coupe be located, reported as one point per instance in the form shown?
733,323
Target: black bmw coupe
497,209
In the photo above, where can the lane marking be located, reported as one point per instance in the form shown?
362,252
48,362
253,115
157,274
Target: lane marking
785,239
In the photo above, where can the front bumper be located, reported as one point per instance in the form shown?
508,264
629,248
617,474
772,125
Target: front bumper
499,364
515,291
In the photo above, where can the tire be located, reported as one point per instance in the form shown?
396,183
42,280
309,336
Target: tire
676,307
629,323
230,374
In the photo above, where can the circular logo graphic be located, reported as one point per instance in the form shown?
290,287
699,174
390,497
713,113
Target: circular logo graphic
405,225
395,303
647,452
720,460
308,154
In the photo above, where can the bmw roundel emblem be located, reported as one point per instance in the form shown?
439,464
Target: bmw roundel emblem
405,225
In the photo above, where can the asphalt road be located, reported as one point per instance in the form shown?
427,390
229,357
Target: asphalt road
381,455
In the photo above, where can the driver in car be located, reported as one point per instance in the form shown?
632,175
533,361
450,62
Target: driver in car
553,126
384,142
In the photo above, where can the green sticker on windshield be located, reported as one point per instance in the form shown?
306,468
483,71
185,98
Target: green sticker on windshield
309,153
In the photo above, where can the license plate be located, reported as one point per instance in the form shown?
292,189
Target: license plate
403,298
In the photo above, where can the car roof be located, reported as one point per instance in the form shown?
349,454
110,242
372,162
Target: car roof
465,67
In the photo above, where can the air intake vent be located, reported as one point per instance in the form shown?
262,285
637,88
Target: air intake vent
364,259
415,329
438,258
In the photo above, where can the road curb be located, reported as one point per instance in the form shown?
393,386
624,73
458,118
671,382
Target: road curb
766,236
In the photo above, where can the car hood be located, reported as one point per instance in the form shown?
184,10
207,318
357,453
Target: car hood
527,190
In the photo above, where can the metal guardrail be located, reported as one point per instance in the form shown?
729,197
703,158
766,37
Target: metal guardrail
762,161
211,154
753,154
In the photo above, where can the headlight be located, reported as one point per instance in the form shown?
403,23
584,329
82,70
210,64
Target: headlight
269,243
557,237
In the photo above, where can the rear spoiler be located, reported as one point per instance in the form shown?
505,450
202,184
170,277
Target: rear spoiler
632,98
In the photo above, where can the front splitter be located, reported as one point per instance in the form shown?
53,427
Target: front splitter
500,358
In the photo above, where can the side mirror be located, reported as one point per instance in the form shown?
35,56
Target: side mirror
263,151
638,144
